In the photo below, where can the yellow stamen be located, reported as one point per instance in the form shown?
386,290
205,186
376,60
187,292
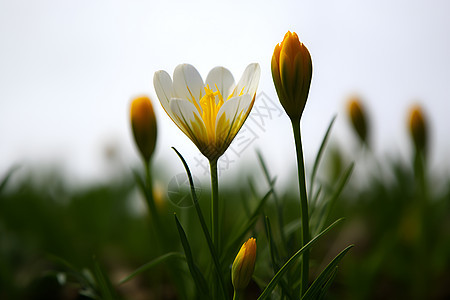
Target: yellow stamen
210,109
192,100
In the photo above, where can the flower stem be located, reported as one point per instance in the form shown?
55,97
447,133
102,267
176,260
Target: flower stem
303,203
214,204
149,195
238,294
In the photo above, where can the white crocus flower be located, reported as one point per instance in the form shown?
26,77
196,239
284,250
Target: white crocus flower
210,113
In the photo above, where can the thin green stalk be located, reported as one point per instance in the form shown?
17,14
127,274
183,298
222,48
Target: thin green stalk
157,226
204,228
421,284
149,195
303,204
275,197
238,295
214,204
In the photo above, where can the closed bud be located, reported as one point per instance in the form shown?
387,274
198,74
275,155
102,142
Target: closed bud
418,129
143,124
358,118
244,265
292,72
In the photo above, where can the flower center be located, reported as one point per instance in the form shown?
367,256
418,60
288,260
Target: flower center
210,104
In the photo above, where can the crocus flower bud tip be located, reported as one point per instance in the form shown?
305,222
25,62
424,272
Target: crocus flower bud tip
418,128
358,118
244,265
143,124
292,72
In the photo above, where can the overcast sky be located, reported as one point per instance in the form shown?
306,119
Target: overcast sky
68,70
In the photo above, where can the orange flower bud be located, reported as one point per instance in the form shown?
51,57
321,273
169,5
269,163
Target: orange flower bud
143,124
418,128
358,118
244,265
292,72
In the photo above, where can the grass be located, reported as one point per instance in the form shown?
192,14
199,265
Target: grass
49,230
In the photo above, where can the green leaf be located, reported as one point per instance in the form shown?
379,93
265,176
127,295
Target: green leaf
103,283
271,183
273,283
315,200
272,246
274,256
8,176
152,264
206,233
335,196
327,284
319,154
199,280
249,225
322,282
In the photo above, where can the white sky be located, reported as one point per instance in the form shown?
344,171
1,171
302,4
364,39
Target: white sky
68,70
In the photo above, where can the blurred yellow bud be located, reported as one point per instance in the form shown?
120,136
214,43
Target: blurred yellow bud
244,265
418,128
358,118
159,192
143,124
292,72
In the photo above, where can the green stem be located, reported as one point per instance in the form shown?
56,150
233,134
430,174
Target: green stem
238,294
421,284
154,218
149,196
303,203
207,234
214,204
157,228
420,174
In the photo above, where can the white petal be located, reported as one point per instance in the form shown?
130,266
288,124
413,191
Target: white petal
187,83
233,109
186,116
223,79
248,84
164,90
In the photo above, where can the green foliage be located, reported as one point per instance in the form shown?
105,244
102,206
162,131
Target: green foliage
272,284
397,216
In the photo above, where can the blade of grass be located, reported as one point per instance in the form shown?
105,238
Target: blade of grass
199,280
319,155
335,196
244,195
321,281
203,225
271,183
104,284
274,257
152,264
273,283
327,284
292,227
8,176
250,223
314,200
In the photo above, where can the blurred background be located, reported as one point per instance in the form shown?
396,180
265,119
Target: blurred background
68,72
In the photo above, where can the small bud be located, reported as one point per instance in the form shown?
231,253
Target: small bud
244,265
292,72
143,124
159,192
358,118
418,129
